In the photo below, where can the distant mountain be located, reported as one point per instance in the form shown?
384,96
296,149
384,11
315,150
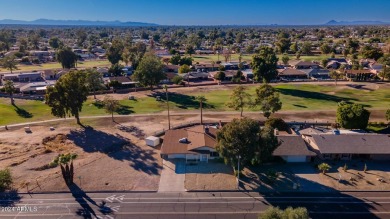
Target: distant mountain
76,23
333,22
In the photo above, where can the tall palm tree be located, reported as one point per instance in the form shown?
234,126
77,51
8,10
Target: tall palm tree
201,100
169,117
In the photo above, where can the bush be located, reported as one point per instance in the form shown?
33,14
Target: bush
177,79
5,180
277,213
324,167
277,123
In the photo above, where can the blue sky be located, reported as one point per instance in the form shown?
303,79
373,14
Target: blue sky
199,12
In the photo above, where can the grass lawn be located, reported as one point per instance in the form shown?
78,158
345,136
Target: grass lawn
85,64
295,97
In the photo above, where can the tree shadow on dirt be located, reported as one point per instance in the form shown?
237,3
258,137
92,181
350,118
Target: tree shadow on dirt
22,112
182,101
291,190
117,147
9,198
314,95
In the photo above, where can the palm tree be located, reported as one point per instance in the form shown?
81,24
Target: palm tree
9,88
169,117
201,100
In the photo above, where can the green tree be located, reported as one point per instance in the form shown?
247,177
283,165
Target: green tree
239,138
220,76
201,99
150,71
9,88
116,69
175,59
184,69
55,42
67,96
352,116
324,167
110,105
5,179
325,48
285,59
268,100
264,64
177,79
94,80
67,58
336,76
114,53
9,63
371,52
239,99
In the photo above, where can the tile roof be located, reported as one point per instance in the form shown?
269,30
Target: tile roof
292,146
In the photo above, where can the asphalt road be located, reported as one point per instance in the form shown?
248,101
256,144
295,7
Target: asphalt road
192,205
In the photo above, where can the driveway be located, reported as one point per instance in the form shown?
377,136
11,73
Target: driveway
172,176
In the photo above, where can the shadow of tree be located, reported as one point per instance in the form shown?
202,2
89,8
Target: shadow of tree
314,95
311,194
22,112
182,101
9,198
117,147
83,199
124,110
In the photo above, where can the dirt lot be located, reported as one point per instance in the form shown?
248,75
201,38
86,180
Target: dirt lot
109,158
210,176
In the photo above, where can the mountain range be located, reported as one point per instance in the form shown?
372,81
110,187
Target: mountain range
333,22
76,23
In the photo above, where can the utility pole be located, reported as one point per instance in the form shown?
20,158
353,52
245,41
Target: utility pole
166,94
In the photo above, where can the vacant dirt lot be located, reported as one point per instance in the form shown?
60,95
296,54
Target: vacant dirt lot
113,157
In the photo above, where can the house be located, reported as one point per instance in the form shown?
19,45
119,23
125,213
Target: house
348,146
359,75
305,65
290,74
171,68
195,143
23,77
317,73
293,149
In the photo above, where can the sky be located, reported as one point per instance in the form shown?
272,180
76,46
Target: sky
200,12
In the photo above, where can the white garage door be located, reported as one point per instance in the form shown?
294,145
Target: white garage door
295,159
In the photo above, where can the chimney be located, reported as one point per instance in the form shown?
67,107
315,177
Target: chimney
276,132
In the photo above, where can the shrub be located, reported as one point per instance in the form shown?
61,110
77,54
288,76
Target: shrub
277,123
5,180
177,79
277,213
324,167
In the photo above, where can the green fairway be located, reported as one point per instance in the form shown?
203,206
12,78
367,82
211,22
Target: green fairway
295,97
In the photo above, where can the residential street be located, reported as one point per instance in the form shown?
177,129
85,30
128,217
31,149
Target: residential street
193,205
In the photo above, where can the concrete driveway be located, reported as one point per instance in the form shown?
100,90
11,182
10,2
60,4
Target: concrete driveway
172,176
